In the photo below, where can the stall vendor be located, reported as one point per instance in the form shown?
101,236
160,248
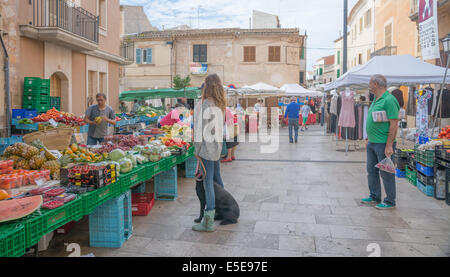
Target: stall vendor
173,116
98,116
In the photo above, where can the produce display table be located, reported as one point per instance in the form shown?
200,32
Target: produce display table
18,235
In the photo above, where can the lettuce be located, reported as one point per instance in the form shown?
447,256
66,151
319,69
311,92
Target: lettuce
117,155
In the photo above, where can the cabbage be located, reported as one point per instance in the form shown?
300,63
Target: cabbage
132,158
126,165
116,155
138,148
154,157
141,159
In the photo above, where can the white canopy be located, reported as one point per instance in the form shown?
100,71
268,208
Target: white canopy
404,70
297,90
261,87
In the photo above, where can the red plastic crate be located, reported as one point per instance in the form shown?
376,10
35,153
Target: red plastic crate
142,203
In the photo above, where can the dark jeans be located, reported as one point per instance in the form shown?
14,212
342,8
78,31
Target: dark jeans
212,176
293,124
94,141
375,154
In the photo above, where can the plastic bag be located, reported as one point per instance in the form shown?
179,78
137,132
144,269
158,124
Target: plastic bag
386,165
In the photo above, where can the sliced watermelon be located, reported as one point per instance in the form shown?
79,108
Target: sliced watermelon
18,208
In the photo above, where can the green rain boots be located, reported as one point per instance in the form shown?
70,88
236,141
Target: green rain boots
207,224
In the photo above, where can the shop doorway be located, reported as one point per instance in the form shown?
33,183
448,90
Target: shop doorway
59,87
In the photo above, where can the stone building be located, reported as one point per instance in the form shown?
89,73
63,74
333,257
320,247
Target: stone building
361,42
239,56
134,20
75,44
324,70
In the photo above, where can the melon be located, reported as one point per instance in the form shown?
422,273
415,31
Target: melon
18,208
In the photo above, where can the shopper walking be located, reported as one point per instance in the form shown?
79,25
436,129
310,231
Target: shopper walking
98,116
208,140
381,144
305,111
293,115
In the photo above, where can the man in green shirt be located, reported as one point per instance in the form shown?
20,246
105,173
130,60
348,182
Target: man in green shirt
382,126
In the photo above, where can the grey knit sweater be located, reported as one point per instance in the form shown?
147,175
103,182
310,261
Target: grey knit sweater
208,130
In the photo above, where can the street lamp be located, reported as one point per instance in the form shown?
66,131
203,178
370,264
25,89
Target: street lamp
446,45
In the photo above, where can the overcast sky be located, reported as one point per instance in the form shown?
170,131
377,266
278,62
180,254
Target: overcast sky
322,19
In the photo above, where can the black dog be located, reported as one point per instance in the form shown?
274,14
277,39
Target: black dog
227,209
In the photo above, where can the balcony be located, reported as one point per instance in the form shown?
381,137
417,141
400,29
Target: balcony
127,51
60,22
385,51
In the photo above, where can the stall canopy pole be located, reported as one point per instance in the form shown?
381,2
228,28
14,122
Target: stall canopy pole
344,66
439,106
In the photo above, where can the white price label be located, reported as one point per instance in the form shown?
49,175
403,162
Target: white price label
40,182
53,122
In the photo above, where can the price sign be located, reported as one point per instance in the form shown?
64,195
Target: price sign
53,123
79,139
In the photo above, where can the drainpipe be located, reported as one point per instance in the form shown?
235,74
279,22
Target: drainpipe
8,96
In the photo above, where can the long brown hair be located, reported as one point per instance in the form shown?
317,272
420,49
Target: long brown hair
213,88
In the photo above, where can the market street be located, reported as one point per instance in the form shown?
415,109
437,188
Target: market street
301,201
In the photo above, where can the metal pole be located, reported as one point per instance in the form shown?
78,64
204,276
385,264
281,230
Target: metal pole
7,89
344,66
439,106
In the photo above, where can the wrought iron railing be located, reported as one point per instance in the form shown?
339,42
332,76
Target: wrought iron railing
385,51
127,50
63,14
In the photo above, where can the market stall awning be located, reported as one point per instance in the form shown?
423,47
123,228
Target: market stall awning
404,70
261,88
191,93
297,90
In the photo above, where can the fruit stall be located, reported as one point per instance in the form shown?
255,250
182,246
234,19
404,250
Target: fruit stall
47,182
427,165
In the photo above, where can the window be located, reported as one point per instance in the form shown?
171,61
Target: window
339,57
369,55
101,12
388,35
302,77
302,54
360,59
144,56
321,71
274,54
200,53
249,54
368,18
338,73
361,25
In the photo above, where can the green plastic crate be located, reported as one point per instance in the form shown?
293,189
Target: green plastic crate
97,197
36,82
151,169
424,157
36,98
132,178
72,211
34,228
411,176
12,240
40,107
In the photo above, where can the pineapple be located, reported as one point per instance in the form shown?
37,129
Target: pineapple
14,158
54,167
49,156
38,144
65,160
37,161
29,152
19,148
21,163
9,151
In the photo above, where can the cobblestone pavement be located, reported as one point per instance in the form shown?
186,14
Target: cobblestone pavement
302,201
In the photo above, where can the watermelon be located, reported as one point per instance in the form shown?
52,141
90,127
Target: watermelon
18,208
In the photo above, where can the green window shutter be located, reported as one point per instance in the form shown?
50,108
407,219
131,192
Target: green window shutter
339,57
321,71
138,55
149,56
338,73
303,53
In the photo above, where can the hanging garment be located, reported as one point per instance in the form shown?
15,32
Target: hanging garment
430,102
333,106
411,108
422,113
339,105
360,125
347,115
444,105
366,113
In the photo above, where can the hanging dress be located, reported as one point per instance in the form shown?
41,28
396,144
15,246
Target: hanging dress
422,113
347,114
